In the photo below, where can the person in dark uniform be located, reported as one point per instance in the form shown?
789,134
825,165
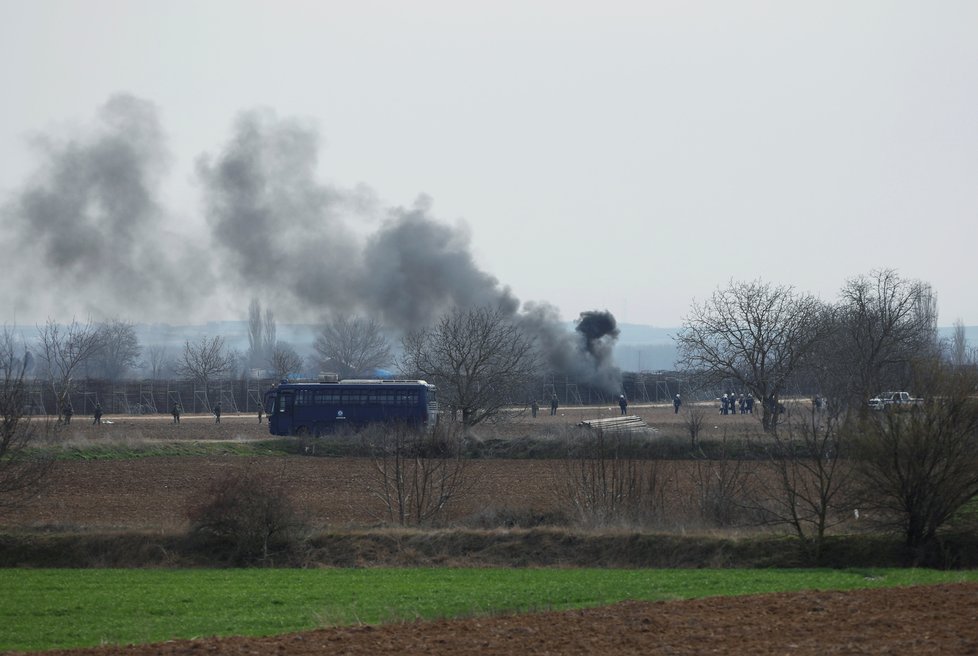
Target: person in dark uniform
97,414
261,411
217,413
623,403
676,402
68,412
553,405
534,407
176,413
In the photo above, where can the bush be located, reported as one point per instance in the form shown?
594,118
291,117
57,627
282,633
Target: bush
246,517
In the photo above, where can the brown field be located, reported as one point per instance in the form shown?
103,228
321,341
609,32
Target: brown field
152,493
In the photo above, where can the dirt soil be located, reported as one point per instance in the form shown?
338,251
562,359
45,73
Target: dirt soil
153,493
923,620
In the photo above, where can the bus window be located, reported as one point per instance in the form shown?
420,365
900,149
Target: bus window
285,402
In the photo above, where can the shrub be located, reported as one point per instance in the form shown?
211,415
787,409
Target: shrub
245,517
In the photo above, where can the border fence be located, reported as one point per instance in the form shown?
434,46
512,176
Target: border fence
145,397
151,396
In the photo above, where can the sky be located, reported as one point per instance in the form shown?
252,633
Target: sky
622,156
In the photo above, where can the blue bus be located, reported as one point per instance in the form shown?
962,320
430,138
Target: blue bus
317,408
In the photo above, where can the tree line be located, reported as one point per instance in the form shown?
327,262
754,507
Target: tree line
915,469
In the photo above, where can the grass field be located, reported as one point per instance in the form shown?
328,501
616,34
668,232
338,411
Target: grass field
46,609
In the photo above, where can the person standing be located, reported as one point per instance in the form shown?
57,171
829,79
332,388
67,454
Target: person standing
623,403
553,405
676,402
534,407
176,413
97,414
217,413
68,412
261,411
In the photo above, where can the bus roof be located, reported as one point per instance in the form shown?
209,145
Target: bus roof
385,381
356,381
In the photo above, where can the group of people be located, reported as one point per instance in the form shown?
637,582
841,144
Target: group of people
67,412
554,404
730,404
535,407
177,409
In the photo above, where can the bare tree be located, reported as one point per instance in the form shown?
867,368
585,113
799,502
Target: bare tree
417,473
919,466
269,340
721,487
64,350
883,323
157,361
118,352
353,345
805,480
22,466
256,353
606,480
694,419
205,360
753,334
959,345
477,357
284,361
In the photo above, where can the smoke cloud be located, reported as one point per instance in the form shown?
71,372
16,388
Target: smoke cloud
101,242
86,233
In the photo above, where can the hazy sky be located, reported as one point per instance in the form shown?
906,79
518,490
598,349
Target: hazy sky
627,156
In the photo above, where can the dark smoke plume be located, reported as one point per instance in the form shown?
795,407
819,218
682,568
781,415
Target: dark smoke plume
86,233
599,331
282,233
91,222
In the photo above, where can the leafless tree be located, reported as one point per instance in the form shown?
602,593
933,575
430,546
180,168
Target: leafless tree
157,361
694,417
256,355
805,478
118,352
959,345
284,361
205,360
883,323
721,487
261,334
22,466
353,345
65,350
753,334
605,479
417,473
477,357
919,466
269,331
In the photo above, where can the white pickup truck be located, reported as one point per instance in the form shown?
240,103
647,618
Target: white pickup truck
890,399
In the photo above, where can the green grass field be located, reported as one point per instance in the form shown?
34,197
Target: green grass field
46,609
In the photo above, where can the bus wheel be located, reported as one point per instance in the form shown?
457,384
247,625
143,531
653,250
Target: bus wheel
302,431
